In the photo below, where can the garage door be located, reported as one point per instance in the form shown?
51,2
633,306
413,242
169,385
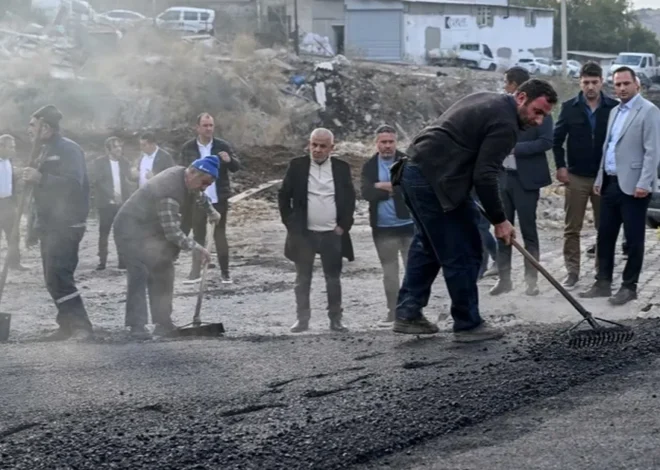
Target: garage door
374,34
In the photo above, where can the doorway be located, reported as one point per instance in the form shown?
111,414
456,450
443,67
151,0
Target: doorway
338,31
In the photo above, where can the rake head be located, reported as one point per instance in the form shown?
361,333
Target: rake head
200,329
600,335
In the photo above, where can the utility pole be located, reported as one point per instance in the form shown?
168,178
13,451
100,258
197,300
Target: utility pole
296,38
564,39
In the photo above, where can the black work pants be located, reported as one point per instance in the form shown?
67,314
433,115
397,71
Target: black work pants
521,202
150,274
59,258
197,221
616,209
106,217
328,245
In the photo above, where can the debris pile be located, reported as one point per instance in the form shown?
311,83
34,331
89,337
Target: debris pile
259,97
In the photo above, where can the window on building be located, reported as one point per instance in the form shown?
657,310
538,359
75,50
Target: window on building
530,18
484,16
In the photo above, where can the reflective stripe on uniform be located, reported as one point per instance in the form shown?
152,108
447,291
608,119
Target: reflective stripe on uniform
61,300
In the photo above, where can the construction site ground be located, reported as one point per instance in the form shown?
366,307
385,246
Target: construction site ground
263,398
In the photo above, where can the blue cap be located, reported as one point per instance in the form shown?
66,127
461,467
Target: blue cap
208,165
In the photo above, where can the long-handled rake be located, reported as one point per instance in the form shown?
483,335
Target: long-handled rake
599,334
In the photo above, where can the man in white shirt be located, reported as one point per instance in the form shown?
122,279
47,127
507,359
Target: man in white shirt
153,160
317,202
626,178
7,202
111,189
204,145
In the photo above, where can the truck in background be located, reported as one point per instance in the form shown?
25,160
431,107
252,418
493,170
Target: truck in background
471,55
643,63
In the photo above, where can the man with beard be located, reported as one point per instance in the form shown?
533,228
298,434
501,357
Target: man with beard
61,197
583,121
465,147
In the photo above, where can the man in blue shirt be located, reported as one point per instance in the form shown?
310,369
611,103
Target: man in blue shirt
391,224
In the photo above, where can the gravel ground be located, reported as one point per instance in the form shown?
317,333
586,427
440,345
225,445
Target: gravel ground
262,398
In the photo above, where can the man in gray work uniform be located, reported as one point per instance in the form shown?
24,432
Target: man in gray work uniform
148,233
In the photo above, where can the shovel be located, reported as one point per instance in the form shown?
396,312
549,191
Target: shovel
5,318
197,327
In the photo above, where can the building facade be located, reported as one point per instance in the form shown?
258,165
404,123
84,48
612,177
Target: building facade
408,30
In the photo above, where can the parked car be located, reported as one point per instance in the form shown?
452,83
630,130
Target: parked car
641,62
537,65
123,18
187,20
572,67
472,55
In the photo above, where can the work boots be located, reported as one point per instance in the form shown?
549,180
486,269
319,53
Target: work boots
300,326
503,286
417,326
598,289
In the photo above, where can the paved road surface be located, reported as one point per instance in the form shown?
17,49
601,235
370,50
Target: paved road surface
364,400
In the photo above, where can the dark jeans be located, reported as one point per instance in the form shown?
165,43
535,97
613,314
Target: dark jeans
449,240
198,225
390,243
59,258
146,273
617,208
328,245
521,202
106,217
7,217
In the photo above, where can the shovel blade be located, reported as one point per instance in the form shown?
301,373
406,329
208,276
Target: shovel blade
208,330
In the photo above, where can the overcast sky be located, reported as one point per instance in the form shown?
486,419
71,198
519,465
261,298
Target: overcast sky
646,3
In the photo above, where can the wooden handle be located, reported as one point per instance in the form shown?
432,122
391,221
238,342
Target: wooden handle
202,282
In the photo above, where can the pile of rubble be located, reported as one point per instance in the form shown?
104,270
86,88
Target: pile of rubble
260,97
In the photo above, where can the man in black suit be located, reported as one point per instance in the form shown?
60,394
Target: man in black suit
317,202
391,225
525,172
111,189
153,160
203,145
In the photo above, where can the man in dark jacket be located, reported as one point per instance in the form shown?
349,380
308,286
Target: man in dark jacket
203,146
391,225
465,147
152,161
111,189
583,120
317,202
525,172
61,197
149,237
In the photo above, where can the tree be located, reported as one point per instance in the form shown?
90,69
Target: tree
600,26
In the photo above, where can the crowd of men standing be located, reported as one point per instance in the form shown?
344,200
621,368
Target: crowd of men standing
488,149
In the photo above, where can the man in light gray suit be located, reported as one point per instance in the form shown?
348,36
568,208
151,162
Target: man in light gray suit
625,181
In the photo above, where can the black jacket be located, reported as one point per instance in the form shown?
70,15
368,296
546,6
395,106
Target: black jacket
374,195
162,161
465,147
103,184
584,148
292,199
62,196
190,153
531,159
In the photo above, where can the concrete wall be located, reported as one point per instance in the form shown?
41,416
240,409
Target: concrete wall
506,37
325,15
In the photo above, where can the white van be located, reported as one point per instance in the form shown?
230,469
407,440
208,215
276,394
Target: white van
187,20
